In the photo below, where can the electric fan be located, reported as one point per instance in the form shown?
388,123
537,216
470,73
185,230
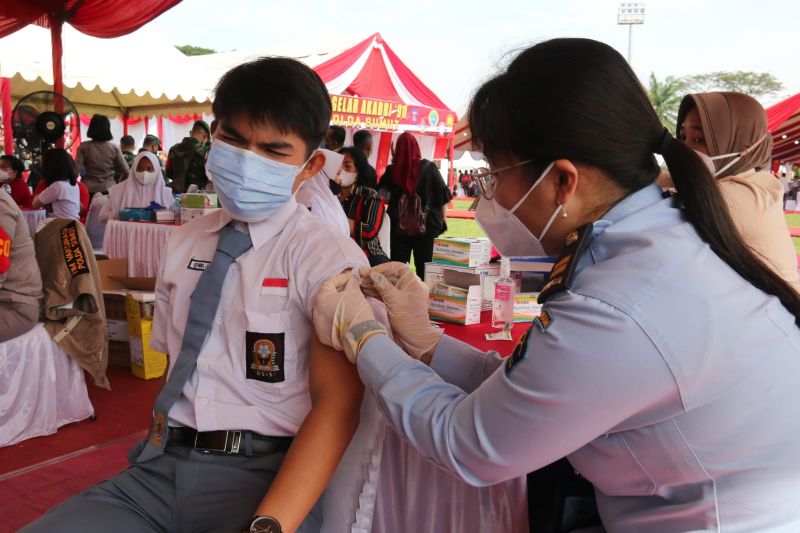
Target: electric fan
45,119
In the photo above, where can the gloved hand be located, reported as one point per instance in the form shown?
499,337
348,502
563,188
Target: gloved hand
406,299
342,317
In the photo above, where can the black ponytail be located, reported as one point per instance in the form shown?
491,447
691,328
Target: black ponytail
578,99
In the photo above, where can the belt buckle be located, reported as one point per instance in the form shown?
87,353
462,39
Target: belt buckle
236,441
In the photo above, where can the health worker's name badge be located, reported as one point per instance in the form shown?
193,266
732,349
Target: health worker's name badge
275,287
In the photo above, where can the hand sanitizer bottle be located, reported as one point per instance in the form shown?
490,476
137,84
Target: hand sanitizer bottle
504,289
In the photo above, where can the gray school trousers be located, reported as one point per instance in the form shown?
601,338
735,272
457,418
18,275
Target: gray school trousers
182,491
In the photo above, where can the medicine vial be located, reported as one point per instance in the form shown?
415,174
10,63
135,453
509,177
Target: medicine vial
504,289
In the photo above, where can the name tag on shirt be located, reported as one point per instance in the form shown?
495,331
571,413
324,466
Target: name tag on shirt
196,264
275,287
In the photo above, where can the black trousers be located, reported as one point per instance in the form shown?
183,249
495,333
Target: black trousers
422,246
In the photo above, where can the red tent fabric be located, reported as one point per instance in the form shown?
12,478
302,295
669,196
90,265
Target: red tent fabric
99,18
372,70
783,121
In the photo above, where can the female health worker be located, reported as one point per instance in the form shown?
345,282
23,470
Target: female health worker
666,362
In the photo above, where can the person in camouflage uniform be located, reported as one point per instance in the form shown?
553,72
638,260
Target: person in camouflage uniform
127,145
186,160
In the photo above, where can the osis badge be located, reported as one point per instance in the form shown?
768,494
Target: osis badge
264,356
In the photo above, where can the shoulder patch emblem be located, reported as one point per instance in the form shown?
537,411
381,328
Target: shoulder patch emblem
543,321
519,353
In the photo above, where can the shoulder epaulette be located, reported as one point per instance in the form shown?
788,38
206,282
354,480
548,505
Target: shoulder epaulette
564,269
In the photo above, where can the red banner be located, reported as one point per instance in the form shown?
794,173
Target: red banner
380,115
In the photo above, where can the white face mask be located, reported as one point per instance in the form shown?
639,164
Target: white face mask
507,232
709,161
346,179
145,177
4,176
706,159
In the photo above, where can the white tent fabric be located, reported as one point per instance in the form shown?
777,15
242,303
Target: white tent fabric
468,161
140,73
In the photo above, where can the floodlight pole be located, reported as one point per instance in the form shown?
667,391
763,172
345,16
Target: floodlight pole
630,41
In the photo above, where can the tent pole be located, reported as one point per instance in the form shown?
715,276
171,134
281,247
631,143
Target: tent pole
125,118
8,134
451,154
56,25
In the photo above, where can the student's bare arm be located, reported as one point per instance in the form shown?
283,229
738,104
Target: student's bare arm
336,392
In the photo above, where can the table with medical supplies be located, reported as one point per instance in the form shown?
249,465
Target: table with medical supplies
33,217
475,335
141,243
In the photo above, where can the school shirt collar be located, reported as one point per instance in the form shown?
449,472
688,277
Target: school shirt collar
263,230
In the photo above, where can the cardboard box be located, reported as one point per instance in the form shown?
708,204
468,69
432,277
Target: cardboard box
114,277
188,213
483,275
459,305
116,320
146,363
526,306
461,252
119,353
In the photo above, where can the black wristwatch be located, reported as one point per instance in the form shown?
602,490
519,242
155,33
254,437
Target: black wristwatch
265,524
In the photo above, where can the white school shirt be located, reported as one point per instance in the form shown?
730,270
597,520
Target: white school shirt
65,199
252,372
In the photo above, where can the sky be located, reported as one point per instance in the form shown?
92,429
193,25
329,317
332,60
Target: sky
453,46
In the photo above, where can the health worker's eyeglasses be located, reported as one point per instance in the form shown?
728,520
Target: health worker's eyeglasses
487,178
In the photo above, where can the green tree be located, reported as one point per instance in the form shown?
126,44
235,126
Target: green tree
756,84
665,95
191,50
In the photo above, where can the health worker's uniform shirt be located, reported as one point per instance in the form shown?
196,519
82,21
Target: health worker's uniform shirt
669,381
252,372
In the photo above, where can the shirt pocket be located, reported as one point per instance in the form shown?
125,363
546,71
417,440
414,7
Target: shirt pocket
269,353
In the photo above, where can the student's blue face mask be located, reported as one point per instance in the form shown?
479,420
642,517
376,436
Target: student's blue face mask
250,187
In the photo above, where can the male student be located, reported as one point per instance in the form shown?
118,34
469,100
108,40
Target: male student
255,413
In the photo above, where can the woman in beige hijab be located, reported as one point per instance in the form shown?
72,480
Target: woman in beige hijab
729,132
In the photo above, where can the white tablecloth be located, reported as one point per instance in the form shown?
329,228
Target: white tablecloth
141,243
41,388
33,217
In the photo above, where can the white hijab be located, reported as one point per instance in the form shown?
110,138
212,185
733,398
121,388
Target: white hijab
316,194
131,192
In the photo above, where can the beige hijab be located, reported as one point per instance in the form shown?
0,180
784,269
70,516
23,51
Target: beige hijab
732,123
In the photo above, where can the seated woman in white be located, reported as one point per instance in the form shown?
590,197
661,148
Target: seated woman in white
145,184
62,196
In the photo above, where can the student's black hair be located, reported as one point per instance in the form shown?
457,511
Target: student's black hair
361,138
363,177
338,135
578,99
280,91
99,128
58,165
127,141
16,164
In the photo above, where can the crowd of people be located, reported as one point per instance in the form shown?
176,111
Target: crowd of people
663,367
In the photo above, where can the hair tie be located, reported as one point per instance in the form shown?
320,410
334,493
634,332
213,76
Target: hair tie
664,142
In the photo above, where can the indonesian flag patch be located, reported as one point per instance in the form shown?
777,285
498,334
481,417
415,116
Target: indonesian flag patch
275,287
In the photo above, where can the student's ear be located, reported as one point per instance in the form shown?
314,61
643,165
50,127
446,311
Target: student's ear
312,168
314,165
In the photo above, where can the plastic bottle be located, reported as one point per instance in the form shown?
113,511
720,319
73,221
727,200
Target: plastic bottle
504,289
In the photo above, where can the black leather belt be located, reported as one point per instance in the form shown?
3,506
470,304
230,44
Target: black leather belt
227,442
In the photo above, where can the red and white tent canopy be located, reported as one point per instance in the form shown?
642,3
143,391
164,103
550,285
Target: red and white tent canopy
370,86
783,121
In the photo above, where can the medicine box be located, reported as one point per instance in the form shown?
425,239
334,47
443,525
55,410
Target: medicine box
164,215
190,213
461,251
146,363
526,306
459,305
198,200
